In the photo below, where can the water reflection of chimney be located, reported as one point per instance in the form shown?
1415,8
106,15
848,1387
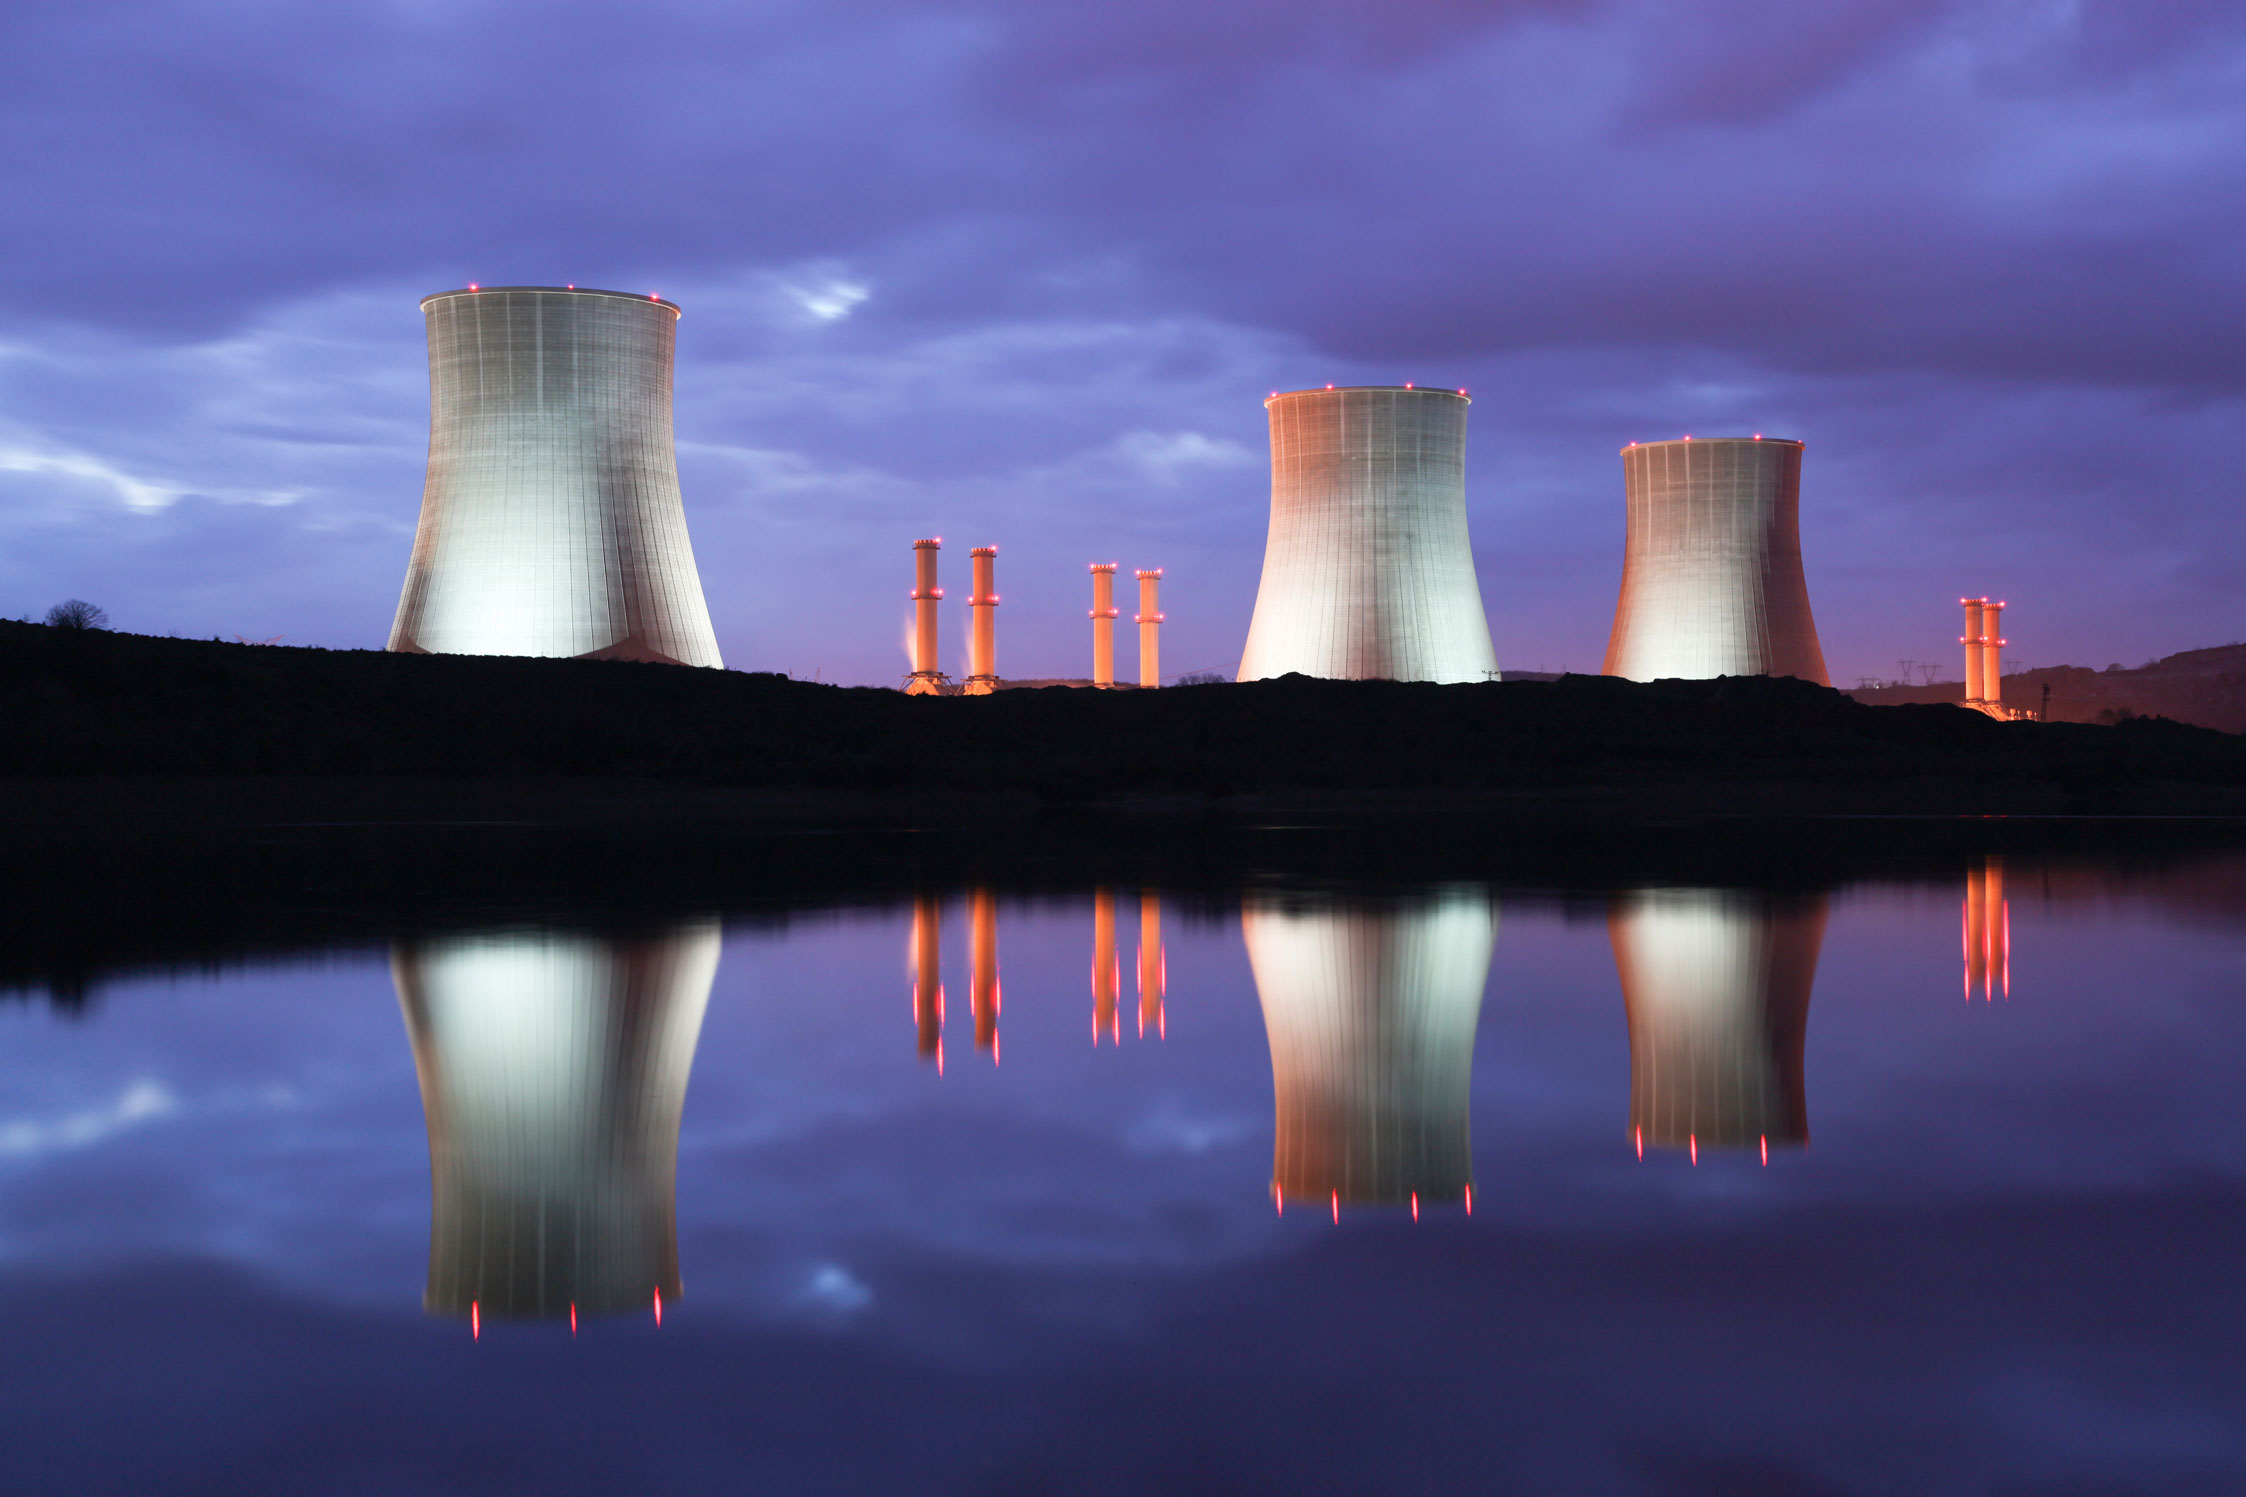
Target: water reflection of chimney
1107,973
1987,931
1154,965
553,1070
1716,984
982,969
928,977
1370,1014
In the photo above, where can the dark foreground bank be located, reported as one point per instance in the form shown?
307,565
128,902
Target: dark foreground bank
87,706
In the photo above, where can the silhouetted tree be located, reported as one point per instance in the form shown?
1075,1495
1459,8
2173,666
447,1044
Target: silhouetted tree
77,613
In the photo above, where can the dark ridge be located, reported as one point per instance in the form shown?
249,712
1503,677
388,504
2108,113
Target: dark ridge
93,706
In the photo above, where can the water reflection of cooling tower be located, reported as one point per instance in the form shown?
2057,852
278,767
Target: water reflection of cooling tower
1717,987
553,1070
1370,1014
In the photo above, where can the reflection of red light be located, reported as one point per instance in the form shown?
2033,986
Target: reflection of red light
1469,1200
658,1306
573,1303
1695,1147
1766,1149
1337,1208
1279,1197
1641,1141
1415,1194
475,1320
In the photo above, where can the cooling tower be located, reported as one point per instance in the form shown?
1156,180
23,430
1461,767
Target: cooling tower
1368,573
1711,571
551,522
1370,1014
553,1070
1716,984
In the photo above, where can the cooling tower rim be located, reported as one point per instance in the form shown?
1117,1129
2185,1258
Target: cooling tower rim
644,301
1371,390
1715,441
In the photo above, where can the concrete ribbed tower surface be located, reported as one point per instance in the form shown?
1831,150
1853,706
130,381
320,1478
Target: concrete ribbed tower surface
1370,1014
1368,573
1717,984
553,1071
551,521
1712,579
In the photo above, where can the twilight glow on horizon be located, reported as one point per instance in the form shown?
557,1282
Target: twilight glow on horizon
1024,274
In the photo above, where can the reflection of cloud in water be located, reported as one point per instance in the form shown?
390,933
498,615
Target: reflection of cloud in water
1717,984
144,1101
1370,1014
553,1070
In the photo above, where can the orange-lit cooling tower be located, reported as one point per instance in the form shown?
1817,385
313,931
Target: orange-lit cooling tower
1107,973
927,678
1971,639
553,1070
982,638
1717,986
982,968
1987,931
1370,1014
1104,615
1149,620
1154,966
1712,579
928,977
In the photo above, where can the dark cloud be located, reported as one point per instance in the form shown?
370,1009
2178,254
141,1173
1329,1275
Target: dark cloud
1076,231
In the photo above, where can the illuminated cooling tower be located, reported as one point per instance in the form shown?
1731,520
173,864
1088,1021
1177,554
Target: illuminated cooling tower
551,522
1717,987
1368,573
1711,571
553,1069
1370,1015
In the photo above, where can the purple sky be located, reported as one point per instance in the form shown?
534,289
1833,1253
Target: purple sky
1021,272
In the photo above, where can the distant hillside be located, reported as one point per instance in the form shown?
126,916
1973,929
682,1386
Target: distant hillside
2206,687
80,705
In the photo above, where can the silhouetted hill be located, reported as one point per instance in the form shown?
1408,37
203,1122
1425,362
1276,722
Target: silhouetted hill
2206,687
82,705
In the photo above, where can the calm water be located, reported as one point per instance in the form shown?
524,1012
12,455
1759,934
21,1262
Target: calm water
1934,1187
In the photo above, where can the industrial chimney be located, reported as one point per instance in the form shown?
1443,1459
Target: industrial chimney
1368,572
1992,653
1711,573
927,678
982,638
1104,614
551,522
1149,620
1971,639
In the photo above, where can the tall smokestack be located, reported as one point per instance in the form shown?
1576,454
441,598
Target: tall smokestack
982,968
1149,620
1992,652
1104,614
1154,966
551,522
1711,571
928,977
982,640
1107,973
1368,572
927,678
1971,639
